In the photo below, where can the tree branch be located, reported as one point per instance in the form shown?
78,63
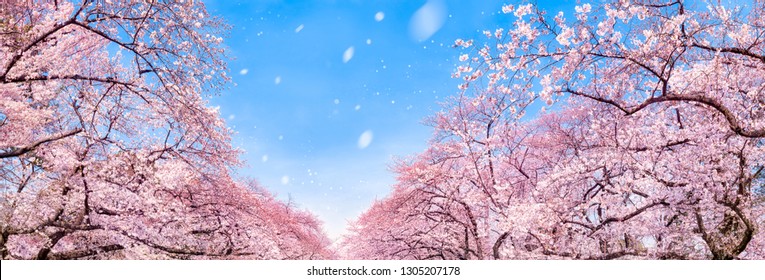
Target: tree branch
733,122
85,253
15,152
740,51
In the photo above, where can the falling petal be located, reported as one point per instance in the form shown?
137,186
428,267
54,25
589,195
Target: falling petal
348,54
365,139
427,20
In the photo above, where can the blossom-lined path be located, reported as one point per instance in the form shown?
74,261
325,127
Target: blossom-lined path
619,130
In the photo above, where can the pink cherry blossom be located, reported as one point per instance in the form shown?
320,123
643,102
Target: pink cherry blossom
650,145
109,149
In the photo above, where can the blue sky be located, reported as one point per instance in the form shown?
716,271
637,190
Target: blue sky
327,94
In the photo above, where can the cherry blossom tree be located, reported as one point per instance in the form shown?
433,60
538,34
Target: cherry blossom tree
108,146
682,89
460,194
652,146
387,230
650,185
